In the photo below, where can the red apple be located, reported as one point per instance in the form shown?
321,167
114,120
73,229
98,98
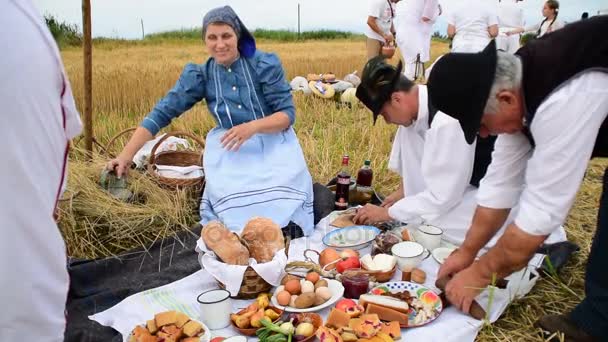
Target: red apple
347,264
217,339
344,304
347,253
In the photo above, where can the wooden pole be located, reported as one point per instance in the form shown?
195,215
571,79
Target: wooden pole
143,33
88,77
298,20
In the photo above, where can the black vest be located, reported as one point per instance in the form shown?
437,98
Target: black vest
483,152
554,59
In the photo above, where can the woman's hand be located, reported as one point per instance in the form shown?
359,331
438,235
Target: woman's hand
120,165
237,135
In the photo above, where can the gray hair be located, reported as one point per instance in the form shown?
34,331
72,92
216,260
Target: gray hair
508,77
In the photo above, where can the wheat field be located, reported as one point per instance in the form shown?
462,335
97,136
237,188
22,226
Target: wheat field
128,79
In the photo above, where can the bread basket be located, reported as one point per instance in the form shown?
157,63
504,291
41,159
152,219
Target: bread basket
252,284
388,50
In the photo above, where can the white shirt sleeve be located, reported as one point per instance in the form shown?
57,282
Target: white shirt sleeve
492,15
565,128
430,9
502,185
395,162
447,166
375,9
532,28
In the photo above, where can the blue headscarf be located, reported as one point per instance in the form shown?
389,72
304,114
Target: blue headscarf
226,15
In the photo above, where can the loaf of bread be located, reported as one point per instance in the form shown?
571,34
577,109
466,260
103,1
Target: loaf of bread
264,238
225,244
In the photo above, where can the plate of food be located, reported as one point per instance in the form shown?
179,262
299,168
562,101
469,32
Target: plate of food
307,295
170,326
354,237
423,305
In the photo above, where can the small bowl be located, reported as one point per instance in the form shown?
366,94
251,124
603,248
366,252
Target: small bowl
381,276
251,331
388,51
316,321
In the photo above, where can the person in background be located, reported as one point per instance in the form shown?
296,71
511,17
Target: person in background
510,17
471,25
548,104
39,117
549,24
380,29
253,162
413,23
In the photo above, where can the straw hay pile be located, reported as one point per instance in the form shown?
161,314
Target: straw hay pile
94,224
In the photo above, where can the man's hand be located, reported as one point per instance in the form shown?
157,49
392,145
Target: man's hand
465,286
237,135
388,38
392,199
456,262
371,214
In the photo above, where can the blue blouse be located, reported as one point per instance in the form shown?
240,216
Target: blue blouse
249,89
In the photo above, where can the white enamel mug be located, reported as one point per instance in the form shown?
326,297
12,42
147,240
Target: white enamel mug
215,308
409,255
428,236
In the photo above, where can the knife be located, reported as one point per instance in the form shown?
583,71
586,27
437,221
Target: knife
475,311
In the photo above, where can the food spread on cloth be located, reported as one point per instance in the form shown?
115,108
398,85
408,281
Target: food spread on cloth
171,326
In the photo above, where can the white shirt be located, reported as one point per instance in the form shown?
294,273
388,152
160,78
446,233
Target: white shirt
545,28
471,18
33,276
510,14
436,165
414,35
545,180
383,11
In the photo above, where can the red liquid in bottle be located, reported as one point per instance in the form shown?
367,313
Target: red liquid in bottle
364,182
342,186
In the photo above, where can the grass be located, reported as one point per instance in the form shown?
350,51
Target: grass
264,34
128,80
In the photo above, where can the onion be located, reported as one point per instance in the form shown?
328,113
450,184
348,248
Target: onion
327,256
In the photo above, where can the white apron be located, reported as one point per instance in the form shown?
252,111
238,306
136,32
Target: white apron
266,177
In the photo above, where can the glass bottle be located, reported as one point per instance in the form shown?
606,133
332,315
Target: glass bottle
342,186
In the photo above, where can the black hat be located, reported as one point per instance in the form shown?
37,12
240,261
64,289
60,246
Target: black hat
460,84
378,82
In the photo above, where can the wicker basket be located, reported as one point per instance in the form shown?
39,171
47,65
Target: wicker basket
108,148
176,158
252,284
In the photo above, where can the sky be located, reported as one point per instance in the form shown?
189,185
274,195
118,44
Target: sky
122,18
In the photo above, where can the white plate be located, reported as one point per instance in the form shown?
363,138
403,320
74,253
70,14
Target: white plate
442,253
336,289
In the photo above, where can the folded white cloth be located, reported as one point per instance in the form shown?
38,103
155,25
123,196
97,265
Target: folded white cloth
232,275
171,144
183,172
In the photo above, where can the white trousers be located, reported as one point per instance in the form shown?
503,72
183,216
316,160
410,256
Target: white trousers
508,44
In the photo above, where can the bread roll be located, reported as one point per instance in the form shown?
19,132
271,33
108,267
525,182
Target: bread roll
264,238
225,244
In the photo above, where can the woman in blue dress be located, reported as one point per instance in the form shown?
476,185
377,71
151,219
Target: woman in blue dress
254,165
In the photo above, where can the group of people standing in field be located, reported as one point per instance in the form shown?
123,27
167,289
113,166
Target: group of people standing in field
471,26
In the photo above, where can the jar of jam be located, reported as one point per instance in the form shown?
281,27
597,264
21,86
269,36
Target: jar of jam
355,285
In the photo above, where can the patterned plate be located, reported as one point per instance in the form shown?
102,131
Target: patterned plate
428,298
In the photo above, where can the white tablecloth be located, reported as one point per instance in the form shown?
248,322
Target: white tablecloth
181,295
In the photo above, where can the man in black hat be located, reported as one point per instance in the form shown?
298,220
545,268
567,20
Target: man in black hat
548,104
440,171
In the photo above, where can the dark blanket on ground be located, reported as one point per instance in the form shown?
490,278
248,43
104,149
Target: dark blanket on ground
97,285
